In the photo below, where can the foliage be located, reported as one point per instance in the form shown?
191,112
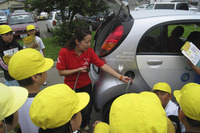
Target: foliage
69,7
52,48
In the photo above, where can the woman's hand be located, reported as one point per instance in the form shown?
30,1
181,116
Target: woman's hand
83,69
126,79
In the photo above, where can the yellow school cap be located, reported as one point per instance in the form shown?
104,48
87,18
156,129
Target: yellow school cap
28,62
162,86
55,105
189,100
11,99
5,29
141,113
30,27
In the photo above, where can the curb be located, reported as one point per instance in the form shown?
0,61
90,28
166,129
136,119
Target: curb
2,74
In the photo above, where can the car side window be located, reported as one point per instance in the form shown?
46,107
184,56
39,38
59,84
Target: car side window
50,16
166,39
150,42
58,16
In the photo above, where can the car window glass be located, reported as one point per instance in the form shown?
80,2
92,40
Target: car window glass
20,19
50,16
166,38
182,6
58,16
150,6
2,13
164,6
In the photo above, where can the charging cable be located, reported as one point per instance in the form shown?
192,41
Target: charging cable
87,69
129,82
76,80
5,126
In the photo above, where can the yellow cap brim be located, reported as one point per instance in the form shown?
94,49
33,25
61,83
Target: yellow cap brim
31,29
19,98
47,65
177,95
84,99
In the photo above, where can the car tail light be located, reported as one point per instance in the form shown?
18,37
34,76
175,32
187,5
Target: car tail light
54,23
111,40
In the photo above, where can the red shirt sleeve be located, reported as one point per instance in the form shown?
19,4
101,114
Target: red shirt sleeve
95,59
61,61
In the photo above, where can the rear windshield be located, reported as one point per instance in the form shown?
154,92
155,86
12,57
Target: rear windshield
115,8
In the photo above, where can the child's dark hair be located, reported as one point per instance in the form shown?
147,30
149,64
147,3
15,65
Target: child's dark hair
193,123
9,119
62,129
79,34
27,81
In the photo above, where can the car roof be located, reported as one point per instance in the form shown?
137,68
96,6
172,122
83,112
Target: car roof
162,12
24,13
168,2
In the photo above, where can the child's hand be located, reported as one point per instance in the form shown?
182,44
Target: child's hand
35,45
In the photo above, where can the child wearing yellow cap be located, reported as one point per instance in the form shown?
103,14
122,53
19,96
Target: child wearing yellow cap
57,109
32,32
11,99
189,112
40,45
136,113
29,68
163,91
8,46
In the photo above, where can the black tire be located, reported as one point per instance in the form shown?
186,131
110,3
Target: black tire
48,29
106,110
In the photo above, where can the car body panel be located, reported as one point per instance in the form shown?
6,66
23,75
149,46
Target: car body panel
168,5
54,17
149,68
3,17
19,24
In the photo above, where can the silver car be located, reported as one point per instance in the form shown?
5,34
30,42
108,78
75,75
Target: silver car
135,43
3,17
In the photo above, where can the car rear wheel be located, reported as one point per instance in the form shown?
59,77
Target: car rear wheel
48,29
106,110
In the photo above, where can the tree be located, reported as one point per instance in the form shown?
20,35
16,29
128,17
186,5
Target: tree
72,7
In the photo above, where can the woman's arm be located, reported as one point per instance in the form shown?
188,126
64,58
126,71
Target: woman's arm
112,72
69,72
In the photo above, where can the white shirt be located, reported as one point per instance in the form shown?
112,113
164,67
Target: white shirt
25,122
40,43
172,109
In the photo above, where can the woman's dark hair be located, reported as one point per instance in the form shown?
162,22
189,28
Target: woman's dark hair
62,129
27,81
79,34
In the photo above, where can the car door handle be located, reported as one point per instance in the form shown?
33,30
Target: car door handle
154,62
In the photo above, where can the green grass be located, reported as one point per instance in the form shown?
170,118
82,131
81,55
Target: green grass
187,29
52,48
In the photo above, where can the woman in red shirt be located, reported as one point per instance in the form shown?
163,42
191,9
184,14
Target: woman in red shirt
74,61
